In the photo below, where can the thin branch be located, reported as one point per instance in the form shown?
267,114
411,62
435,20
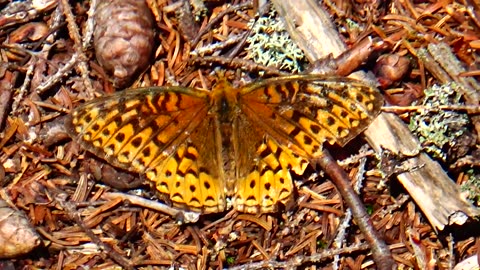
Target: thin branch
380,251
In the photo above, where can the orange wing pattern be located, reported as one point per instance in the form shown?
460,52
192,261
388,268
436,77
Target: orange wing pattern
201,148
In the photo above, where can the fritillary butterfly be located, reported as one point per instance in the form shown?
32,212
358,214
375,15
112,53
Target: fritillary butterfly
208,150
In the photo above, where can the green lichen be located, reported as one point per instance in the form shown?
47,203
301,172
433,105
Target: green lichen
437,129
472,187
271,45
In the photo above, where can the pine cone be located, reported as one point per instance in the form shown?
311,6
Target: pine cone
123,39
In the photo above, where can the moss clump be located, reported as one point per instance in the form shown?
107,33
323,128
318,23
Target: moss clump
438,130
271,45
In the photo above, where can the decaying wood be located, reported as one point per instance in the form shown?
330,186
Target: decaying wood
433,191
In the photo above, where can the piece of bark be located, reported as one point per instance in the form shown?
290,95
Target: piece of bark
433,191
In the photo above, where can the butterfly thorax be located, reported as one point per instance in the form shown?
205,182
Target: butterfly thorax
224,101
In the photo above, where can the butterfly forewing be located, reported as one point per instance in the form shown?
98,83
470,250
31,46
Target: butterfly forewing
307,110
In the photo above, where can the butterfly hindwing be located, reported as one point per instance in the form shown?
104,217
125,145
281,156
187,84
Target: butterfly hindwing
269,181
193,175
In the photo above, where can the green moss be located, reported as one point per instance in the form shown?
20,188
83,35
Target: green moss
230,260
437,129
271,45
